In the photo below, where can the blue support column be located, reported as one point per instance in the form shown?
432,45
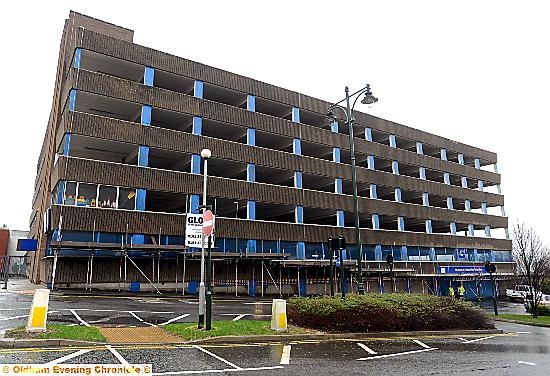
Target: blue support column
251,245
77,57
295,114
301,255
395,167
400,224
373,193
299,214
67,144
143,156
428,226
419,148
480,185
446,178
251,172
194,202
477,163
195,164
338,185
378,252
471,230
61,191
464,182
375,221
444,154
336,154
297,146
432,254
488,231
251,210
334,127
404,254
425,199
149,76
453,228
339,218
197,126
146,114
298,179
398,194
393,143
450,203
72,100
467,205
461,159
140,199
370,162
251,137
198,89
484,208
475,255
251,103
368,134
422,173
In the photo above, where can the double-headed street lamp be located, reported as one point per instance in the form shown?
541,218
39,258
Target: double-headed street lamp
205,154
348,111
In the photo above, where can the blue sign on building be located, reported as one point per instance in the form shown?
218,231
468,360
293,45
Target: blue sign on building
462,269
27,245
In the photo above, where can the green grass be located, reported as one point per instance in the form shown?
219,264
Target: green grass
57,331
525,318
227,328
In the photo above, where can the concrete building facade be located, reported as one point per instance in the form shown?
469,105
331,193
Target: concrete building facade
121,165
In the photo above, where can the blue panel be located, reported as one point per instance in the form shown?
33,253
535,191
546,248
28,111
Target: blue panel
251,210
251,287
425,199
450,203
395,167
72,100
398,194
446,178
444,154
251,103
251,172
338,185
471,230
251,137
393,143
67,144
140,198
251,245
146,114
404,253
61,191
400,223
370,162
373,193
484,207
27,245
198,89
477,163
368,134
340,218
461,159
334,127
138,239
143,156
422,173
488,231
432,254
194,202
375,221
192,287
77,57
149,76
303,287
195,164
429,226
134,286
301,250
197,125
297,146
336,155
467,205
453,228
480,185
378,252
295,114
464,182
298,179
419,148
299,214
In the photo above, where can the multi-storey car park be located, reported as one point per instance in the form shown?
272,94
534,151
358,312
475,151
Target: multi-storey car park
121,165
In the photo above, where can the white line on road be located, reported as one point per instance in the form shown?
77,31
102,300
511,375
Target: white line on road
528,363
398,354
112,310
175,319
13,317
421,344
216,371
78,317
523,332
478,339
461,339
140,319
117,355
67,357
217,357
367,349
239,317
285,356
256,303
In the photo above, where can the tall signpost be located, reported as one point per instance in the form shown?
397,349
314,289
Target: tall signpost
205,154
207,230
491,268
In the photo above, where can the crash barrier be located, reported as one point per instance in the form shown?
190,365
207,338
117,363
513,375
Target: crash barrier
39,311
278,315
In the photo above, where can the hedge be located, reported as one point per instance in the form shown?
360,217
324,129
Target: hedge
385,312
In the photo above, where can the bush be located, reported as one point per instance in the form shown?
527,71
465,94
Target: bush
542,310
385,312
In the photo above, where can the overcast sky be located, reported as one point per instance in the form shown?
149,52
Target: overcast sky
473,71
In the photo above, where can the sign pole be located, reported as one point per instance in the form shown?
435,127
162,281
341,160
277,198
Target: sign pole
209,285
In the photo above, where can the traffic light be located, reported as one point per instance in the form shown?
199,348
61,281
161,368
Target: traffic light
490,268
335,244
341,242
389,259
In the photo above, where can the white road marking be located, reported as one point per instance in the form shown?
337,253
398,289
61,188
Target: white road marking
528,363
13,317
140,319
421,344
285,356
217,357
367,349
175,319
78,317
113,310
67,357
239,317
523,332
217,371
478,339
256,303
461,339
117,355
398,354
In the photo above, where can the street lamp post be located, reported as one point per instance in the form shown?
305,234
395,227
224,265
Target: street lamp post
348,111
205,154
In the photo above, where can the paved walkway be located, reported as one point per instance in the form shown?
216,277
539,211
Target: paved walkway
139,335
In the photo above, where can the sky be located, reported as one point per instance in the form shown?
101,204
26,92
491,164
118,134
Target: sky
472,71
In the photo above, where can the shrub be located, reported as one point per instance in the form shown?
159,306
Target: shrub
542,310
385,312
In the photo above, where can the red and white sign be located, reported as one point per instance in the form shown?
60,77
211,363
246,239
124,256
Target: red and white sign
208,223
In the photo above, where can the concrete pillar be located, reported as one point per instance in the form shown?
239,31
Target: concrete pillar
149,76
198,89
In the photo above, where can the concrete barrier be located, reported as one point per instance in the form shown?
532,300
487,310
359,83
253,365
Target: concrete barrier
38,314
278,315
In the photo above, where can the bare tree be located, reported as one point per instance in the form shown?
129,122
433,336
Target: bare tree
533,261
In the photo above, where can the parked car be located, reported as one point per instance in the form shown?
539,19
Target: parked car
518,293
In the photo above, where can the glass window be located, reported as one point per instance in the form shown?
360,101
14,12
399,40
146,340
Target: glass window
127,199
70,193
107,197
87,195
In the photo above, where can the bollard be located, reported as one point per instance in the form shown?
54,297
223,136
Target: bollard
278,315
39,311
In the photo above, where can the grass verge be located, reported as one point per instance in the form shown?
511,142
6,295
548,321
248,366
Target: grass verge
57,331
189,331
524,318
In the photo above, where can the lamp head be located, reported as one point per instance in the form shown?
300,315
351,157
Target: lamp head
369,98
331,118
206,153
